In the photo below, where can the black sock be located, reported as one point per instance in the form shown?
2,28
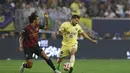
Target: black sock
71,69
49,62
25,65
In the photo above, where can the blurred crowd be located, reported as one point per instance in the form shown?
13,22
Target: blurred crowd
87,8
62,10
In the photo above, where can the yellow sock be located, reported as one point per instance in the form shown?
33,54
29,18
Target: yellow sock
72,60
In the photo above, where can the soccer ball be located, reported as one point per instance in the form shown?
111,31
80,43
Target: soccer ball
66,66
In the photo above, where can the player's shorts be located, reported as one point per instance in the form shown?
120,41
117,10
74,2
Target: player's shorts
66,50
28,52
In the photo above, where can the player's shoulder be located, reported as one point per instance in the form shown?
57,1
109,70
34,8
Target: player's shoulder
78,25
28,25
66,23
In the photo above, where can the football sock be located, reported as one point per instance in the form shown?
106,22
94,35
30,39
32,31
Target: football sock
71,69
72,60
49,62
58,66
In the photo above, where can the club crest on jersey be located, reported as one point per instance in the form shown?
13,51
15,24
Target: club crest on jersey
76,28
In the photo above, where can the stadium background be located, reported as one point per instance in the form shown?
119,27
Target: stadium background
104,20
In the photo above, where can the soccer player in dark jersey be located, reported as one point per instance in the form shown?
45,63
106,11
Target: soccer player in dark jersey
28,42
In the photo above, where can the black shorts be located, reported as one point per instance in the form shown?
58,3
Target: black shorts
28,52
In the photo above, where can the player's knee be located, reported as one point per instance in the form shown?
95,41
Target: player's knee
73,53
44,56
59,60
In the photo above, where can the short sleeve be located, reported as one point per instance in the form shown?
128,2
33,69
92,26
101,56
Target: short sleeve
24,32
80,30
62,28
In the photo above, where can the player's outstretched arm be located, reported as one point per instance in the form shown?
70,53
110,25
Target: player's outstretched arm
47,26
20,42
86,36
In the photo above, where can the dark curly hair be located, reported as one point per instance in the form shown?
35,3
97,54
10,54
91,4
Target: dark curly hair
32,17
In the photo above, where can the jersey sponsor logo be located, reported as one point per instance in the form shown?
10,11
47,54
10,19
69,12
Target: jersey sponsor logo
72,34
67,32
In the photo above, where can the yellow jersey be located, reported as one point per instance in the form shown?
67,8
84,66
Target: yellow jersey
70,33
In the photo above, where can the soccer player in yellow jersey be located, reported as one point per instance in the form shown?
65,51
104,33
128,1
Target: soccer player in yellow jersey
70,31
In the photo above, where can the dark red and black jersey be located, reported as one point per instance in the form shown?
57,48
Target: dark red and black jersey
30,36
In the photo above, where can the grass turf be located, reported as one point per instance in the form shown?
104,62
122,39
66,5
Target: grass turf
81,66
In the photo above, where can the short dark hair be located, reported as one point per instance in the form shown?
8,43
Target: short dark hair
32,17
75,16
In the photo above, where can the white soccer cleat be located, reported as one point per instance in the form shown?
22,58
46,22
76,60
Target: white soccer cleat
56,71
22,68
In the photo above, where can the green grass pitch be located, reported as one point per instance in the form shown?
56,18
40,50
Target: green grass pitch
81,66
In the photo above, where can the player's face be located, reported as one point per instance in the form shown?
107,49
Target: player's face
37,21
75,21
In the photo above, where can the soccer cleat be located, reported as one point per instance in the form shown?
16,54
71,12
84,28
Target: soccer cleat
22,68
71,69
56,71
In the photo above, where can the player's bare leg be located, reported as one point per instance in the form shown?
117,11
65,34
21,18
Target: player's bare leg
72,59
28,64
49,62
59,60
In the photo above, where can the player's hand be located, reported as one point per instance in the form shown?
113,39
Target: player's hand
95,41
21,48
46,15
